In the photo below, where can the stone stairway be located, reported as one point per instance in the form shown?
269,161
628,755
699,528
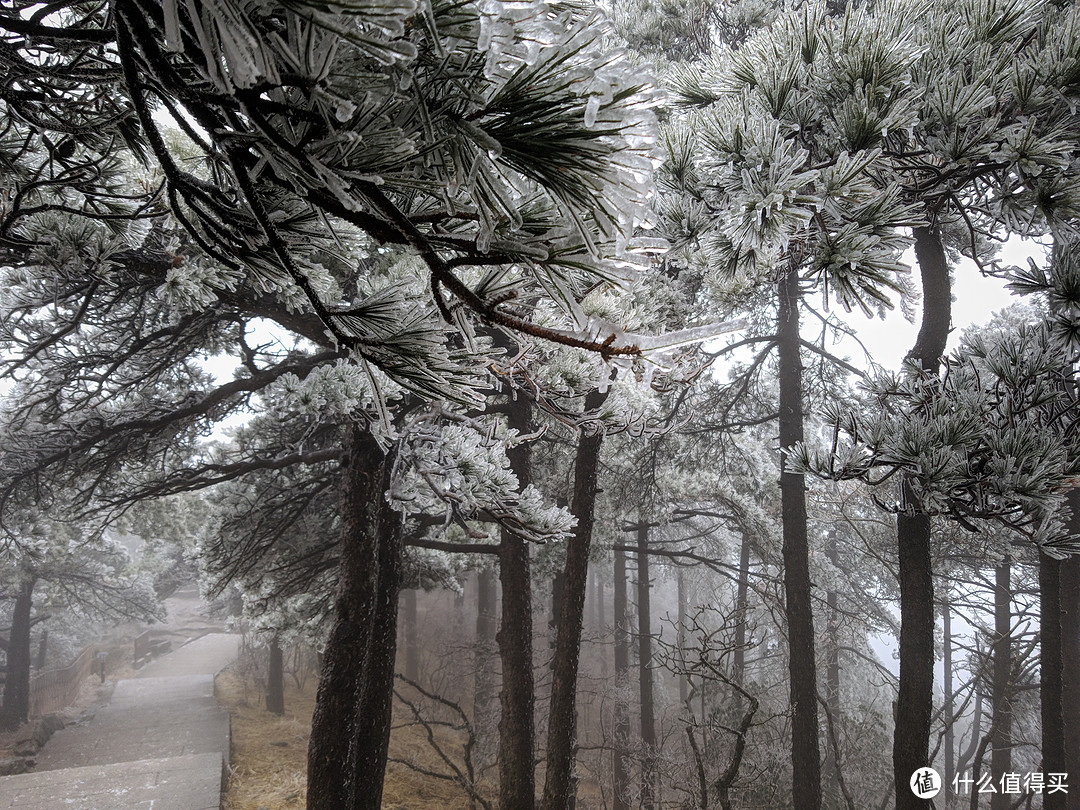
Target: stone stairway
161,743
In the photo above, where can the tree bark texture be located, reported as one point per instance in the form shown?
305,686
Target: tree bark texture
1069,578
742,590
562,715
1001,698
645,673
1068,627
621,720
680,636
802,667
16,707
914,701
517,781
275,680
948,709
351,726
1050,667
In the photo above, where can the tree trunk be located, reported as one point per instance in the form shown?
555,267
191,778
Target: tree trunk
16,707
738,670
485,711
802,668
1001,700
914,700
645,675
621,721
601,619
967,756
562,717
351,727
517,781
275,680
947,690
680,637
1050,666
1069,577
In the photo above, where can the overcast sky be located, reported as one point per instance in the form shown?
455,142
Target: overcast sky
975,300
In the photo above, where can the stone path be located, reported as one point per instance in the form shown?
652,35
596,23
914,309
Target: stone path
161,743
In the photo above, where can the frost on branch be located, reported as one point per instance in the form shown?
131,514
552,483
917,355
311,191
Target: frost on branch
456,467
988,440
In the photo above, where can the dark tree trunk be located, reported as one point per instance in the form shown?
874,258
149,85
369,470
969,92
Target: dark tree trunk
1068,572
738,670
275,680
645,674
1001,699
621,721
517,781
947,689
914,701
967,756
601,618
680,636
802,667
412,644
1069,577
1050,666
485,711
1063,684
16,707
562,717
351,727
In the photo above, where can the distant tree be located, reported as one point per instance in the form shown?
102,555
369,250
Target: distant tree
776,188
87,574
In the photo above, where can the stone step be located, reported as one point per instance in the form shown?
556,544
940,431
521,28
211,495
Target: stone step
146,718
192,782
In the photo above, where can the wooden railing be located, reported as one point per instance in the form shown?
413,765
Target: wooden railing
56,688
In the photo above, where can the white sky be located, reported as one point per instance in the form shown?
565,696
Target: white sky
975,300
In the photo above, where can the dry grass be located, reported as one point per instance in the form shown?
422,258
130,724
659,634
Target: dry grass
406,789
268,766
269,755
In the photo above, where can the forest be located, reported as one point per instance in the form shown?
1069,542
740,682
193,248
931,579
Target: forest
508,353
